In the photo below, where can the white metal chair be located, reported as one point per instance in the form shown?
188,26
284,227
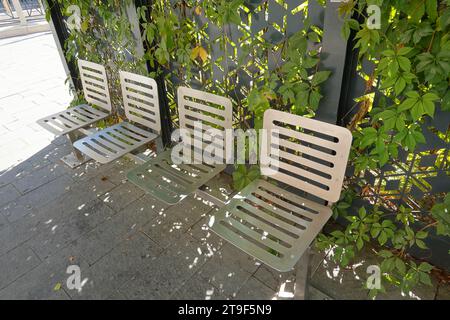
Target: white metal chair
172,182
266,220
96,93
141,104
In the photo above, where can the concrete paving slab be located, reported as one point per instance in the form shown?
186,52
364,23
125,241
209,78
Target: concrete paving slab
16,263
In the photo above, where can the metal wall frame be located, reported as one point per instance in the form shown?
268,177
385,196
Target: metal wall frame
62,34
166,123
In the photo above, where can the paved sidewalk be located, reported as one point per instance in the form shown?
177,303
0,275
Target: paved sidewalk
31,86
127,244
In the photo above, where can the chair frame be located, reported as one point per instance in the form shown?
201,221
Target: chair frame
73,122
171,182
141,106
276,225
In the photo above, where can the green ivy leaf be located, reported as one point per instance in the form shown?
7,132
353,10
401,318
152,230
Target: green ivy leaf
400,122
297,44
404,51
359,243
243,176
417,110
425,267
345,30
314,99
431,9
425,278
404,63
320,77
416,10
258,102
388,264
310,62
445,106
418,136
407,104
441,213
399,85
385,254
428,107
421,244
400,265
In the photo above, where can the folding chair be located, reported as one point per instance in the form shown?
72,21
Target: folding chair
141,104
171,182
73,121
269,222
96,93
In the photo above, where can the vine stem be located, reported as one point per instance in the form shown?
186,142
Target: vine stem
429,225
431,41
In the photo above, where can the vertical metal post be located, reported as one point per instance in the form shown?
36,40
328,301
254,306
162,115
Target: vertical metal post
61,34
333,55
352,84
166,123
135,29
59,46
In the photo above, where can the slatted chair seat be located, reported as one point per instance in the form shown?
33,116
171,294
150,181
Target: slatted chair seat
140,98
171,182
270,223
96,93
72,119
114,142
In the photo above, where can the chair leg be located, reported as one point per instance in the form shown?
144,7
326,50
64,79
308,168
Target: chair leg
76,158
139,156
159,145
302,272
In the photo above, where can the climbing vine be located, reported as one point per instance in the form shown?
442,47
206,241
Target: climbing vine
178,44
410,54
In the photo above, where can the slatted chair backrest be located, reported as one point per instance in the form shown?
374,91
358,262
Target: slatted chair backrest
140,99
213,111
307,154
95,84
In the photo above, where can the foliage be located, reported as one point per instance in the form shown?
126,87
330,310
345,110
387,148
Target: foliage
242,176
375,226
411,53
177,43
440,213
169,39
411,58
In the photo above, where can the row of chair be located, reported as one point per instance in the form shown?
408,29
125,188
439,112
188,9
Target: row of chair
275,218
140,99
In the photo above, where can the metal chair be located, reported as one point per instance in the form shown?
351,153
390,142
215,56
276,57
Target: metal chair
171,182
96,93
271,222
141,104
